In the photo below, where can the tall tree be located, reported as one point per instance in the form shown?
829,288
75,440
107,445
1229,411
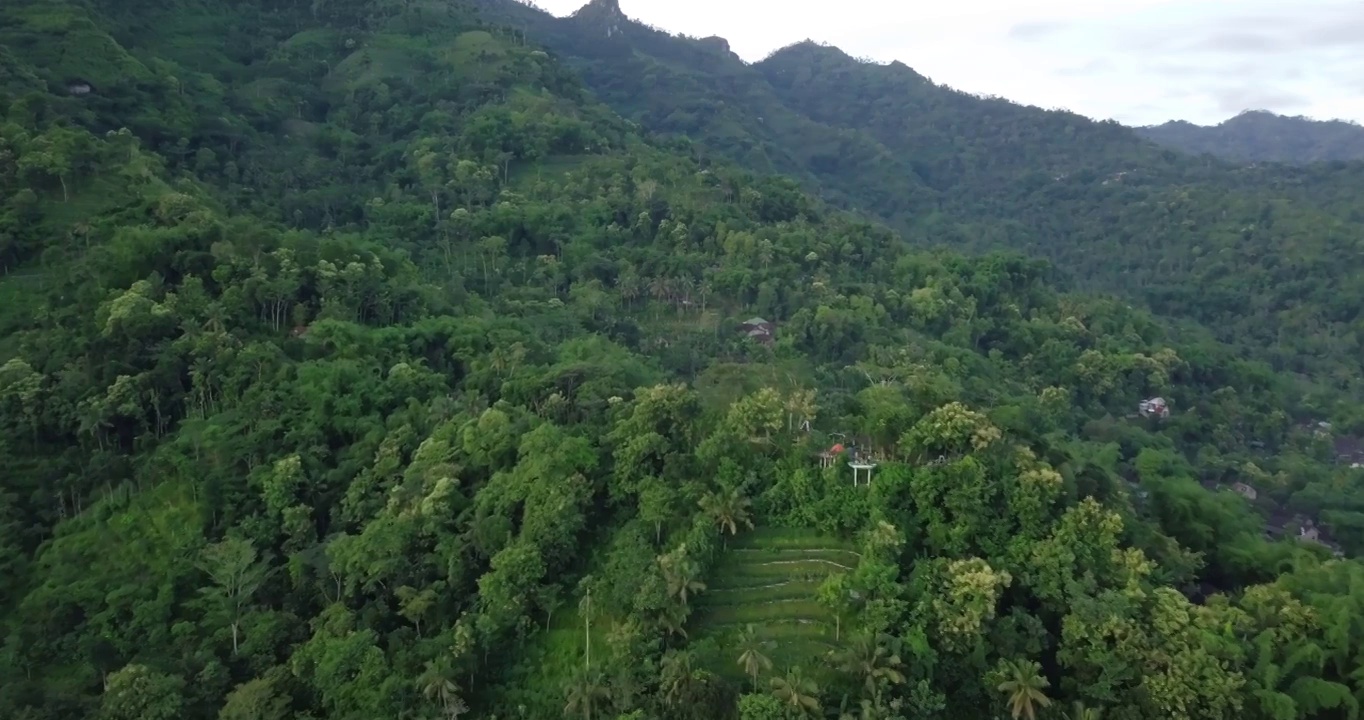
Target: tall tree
797,692
729,509
751,657
1023,687
875,661
237,574
587,693
681,573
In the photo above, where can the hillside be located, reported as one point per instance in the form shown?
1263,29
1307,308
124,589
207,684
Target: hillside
1260,136
1112,211
356,363
698,88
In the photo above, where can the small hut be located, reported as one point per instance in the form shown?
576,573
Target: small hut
759,329
859,466
828,457
1154,407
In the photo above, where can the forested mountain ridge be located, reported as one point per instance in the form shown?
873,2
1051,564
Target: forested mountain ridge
1272,252
698,88
355,364
1261,136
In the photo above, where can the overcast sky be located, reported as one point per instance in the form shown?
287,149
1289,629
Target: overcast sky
1138,61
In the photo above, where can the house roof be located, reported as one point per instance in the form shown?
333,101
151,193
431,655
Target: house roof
756,321
1347,446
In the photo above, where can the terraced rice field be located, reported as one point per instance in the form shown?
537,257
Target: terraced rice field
770,578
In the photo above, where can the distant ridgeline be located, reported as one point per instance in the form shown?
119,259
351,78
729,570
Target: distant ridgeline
1259,136
1265,256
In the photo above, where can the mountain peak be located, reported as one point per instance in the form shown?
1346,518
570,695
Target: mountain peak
717,42
605,14
611,6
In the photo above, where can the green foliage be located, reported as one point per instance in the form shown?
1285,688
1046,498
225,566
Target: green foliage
359,366
1190,238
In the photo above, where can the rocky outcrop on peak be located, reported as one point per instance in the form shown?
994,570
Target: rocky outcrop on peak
603,14
718,43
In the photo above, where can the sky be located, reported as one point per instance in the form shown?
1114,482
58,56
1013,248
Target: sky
1139,62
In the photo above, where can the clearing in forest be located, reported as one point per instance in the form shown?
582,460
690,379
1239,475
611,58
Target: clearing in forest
770,578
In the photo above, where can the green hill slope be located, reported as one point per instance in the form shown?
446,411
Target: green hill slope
358,358
1225,246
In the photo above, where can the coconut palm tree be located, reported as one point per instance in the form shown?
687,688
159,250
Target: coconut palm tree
681,573
874,660
865,710
673,620
678,673
751,657
438,685
1078,711
1023,684
797,692
586,693
729,509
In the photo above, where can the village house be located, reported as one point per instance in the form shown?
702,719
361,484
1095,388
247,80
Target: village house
1245,490
827,458
759,329
1349,451
1278,523
1310,533
1282,524
1154,407
861,464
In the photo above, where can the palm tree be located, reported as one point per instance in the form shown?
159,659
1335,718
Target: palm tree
660,288
628,285
751,657
729,509
797,692
681,573
1078,711
1023,683
586,692
876,661
865,710
685,285
674,620
438,685
800,405
677,673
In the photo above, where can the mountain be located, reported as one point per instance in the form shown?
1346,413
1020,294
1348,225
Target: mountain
356,362
1261,136
698,88
1267,257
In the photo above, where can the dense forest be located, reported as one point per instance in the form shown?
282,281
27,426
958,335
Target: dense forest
1261,136
1189,238
358,362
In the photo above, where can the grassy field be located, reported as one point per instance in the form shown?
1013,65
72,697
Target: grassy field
770,578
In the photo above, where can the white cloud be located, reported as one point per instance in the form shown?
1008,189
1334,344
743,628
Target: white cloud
1138,61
